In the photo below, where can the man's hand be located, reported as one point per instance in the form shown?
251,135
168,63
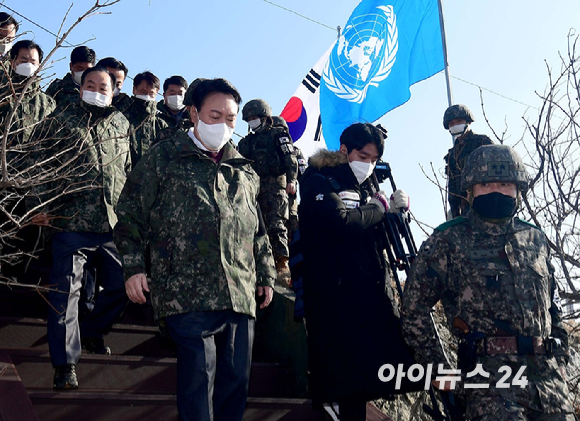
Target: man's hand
267,292
291,188
134,286
41,219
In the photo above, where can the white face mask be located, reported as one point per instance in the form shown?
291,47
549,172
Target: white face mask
116,91
214,136
175,102
361,170
457,130
4,48
95,98
25,69
78,76
255,123
145,97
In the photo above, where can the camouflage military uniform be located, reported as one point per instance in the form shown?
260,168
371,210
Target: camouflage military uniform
455,160
103,134
293,198
202,223
122,102
497,287
181,120
146,123
65,91
32,110
90,145
271,150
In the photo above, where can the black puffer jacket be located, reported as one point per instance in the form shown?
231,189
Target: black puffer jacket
353,324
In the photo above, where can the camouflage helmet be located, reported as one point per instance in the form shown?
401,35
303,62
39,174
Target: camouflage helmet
278,121
188,98
457,112
494,164
256,107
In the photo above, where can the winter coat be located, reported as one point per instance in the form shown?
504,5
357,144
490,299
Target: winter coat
352,320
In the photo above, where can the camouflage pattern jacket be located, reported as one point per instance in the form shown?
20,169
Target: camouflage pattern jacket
182,122
272,153
496,278
89,145
146,124
32,110
455,160
122,102
208,249
65,91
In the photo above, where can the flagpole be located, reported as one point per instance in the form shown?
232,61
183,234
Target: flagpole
447,80
444,41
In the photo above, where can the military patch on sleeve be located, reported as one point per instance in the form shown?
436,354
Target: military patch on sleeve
286,148
285,139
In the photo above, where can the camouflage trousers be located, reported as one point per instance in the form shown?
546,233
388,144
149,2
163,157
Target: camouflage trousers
545,397
273,203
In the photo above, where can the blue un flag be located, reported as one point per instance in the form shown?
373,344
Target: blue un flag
386,47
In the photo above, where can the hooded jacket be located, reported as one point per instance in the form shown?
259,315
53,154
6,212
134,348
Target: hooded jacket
353,324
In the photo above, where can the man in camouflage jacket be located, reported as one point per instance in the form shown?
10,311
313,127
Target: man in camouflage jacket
28,108
65,91
492,274
193,197
143,116
87,146
272,152
457,119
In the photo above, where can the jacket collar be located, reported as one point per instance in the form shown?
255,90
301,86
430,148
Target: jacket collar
325,158
185,147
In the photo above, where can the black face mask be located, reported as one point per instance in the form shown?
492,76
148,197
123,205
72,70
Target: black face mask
495,206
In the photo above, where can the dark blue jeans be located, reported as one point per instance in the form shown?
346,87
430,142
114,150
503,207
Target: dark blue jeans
73,253
214,352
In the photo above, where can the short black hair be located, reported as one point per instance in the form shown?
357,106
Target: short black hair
83,54
358,135
29,45
148,77
98,68
113,63
174,80
6,19
210,86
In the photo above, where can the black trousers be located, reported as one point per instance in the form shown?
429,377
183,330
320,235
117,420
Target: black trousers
73,255
214,351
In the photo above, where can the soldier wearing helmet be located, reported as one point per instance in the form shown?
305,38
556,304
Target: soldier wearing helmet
271,149
292,223
457,119
491,272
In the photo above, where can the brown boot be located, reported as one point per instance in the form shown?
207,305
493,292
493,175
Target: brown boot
283,270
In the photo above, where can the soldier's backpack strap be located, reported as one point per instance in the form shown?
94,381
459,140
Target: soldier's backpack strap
455,221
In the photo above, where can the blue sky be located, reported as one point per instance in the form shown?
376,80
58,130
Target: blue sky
266,51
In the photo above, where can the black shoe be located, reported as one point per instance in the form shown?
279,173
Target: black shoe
95,346
65,377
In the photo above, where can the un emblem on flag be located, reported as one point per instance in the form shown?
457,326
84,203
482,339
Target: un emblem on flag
364,55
